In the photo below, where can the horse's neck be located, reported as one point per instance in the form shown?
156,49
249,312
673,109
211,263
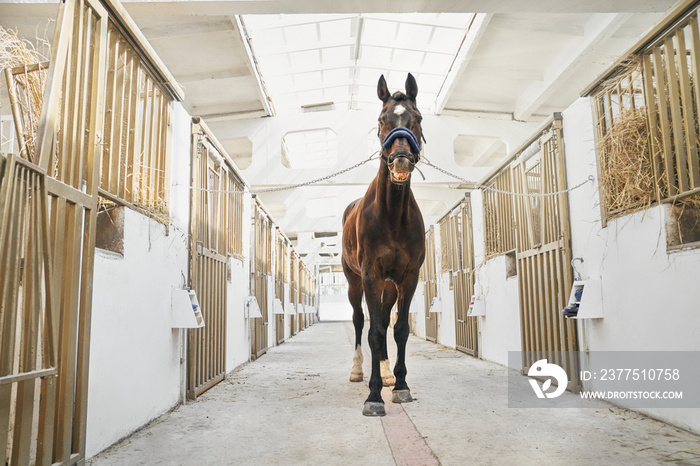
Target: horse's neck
391,198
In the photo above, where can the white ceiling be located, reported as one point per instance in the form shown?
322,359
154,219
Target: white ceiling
487,77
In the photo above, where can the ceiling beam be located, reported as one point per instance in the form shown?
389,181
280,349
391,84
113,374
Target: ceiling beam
500,71
211,115
466,51
240,72
171,31
599,28
527,24
243,39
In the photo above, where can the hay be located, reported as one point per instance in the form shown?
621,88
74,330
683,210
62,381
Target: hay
627,175
29,86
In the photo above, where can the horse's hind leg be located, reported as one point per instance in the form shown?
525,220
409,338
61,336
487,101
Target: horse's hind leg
388,301
358,320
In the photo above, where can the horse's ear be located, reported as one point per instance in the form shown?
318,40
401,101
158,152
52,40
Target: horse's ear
411,87
382,90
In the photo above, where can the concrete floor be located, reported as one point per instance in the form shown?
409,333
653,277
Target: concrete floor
296,406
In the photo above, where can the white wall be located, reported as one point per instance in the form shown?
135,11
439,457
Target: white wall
500,327
134,353
335,307
418,308
649,296
237,333
446,317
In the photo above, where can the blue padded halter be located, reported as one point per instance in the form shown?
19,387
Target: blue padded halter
402,132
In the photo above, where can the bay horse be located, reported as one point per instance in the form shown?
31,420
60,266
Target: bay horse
384,246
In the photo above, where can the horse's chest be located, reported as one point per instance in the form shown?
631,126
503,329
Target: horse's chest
393,259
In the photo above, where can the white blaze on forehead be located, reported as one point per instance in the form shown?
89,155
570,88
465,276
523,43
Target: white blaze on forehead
399,109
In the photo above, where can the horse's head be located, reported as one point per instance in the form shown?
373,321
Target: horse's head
400,130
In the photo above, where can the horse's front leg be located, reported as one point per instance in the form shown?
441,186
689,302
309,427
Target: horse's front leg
374,405
401,392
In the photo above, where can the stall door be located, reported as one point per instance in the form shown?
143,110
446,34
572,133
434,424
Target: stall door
260,268
544,256
211,238
429,274
463,278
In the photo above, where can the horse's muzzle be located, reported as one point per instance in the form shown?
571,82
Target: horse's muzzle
401,167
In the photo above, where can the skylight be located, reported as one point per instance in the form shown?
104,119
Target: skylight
306,60
317,148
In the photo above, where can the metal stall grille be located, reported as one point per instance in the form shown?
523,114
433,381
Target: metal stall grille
135,165
261,269
306,297
672,89
544,256
48,206
216,223
281,255
463,278
293,290
447,248
429,275
499,217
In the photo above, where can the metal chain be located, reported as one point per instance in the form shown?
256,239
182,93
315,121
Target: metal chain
463,180
318,180
424,160
490,188
294,186
587,180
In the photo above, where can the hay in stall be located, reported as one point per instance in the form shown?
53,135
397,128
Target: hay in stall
627,175
29,86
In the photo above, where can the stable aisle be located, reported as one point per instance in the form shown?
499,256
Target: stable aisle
295,405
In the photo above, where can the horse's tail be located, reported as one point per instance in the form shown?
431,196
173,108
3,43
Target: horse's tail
349,208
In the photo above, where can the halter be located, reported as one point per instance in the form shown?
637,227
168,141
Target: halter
401,132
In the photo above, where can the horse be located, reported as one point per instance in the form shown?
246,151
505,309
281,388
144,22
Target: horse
384,246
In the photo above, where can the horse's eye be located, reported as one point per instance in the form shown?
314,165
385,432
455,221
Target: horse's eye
419,119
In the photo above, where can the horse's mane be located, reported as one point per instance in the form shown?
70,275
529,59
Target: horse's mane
399,96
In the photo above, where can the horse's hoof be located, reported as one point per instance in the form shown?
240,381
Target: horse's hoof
388,381
355,377
401,396
373,408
